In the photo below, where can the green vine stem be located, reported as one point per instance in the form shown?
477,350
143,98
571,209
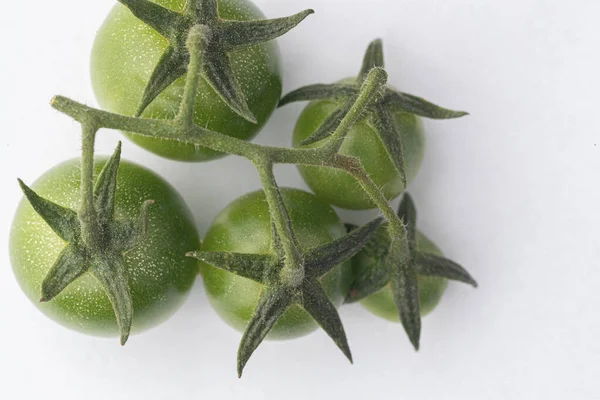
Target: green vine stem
87,211
199,43
183,129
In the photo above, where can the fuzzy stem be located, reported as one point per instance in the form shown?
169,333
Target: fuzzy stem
195,43
293,270
87,211
371,89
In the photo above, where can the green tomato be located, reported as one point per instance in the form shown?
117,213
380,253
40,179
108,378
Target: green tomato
160,276
431,288
338,187
244,226
125,52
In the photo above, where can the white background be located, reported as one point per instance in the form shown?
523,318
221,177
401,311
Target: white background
511,192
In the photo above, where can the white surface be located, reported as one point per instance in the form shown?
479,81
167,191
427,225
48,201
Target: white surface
511,192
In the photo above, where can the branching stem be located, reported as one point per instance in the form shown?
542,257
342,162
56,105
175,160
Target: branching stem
183,129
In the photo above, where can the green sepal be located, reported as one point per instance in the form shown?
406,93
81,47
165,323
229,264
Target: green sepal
431,265
110,270
337,92
71,264
217,71
403,102
271,306
318,305
63,221
327,128
319,260
239,34
251,266
159,18
405,290
105,190
219,37
408,214
383,123
373,58
171,66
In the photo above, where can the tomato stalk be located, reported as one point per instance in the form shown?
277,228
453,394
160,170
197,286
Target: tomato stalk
90,228
293,271
264,156
199,42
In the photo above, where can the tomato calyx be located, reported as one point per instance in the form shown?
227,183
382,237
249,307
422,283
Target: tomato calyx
219,38
102,257
403,280
379,114
281,293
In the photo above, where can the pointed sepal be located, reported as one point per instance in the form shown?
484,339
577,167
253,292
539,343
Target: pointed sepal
237,34
251,266
318,305
171,66
431,265
111,272
63,221
403,102
319,260
383,123
71,264
320,91
405,290
327,128
216,70
271,306
373,58
105,190
161,19
408,214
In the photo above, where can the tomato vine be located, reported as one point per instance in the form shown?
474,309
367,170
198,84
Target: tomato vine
198,44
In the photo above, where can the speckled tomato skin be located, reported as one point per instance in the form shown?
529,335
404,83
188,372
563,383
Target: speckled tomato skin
340,189
244,226
126,52
160,276
431,288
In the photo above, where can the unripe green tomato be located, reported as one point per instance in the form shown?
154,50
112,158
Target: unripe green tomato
160,276
431,288
126,51
244,226
338,187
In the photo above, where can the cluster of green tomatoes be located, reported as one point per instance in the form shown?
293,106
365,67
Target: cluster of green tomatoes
146,261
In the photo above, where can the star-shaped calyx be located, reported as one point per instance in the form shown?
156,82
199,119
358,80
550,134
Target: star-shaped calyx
405,289
219,38
104,257
380,113
280,293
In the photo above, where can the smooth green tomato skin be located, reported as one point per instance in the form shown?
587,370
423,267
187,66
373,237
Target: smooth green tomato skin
244,226
339,188
160,276
431,289
126,51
